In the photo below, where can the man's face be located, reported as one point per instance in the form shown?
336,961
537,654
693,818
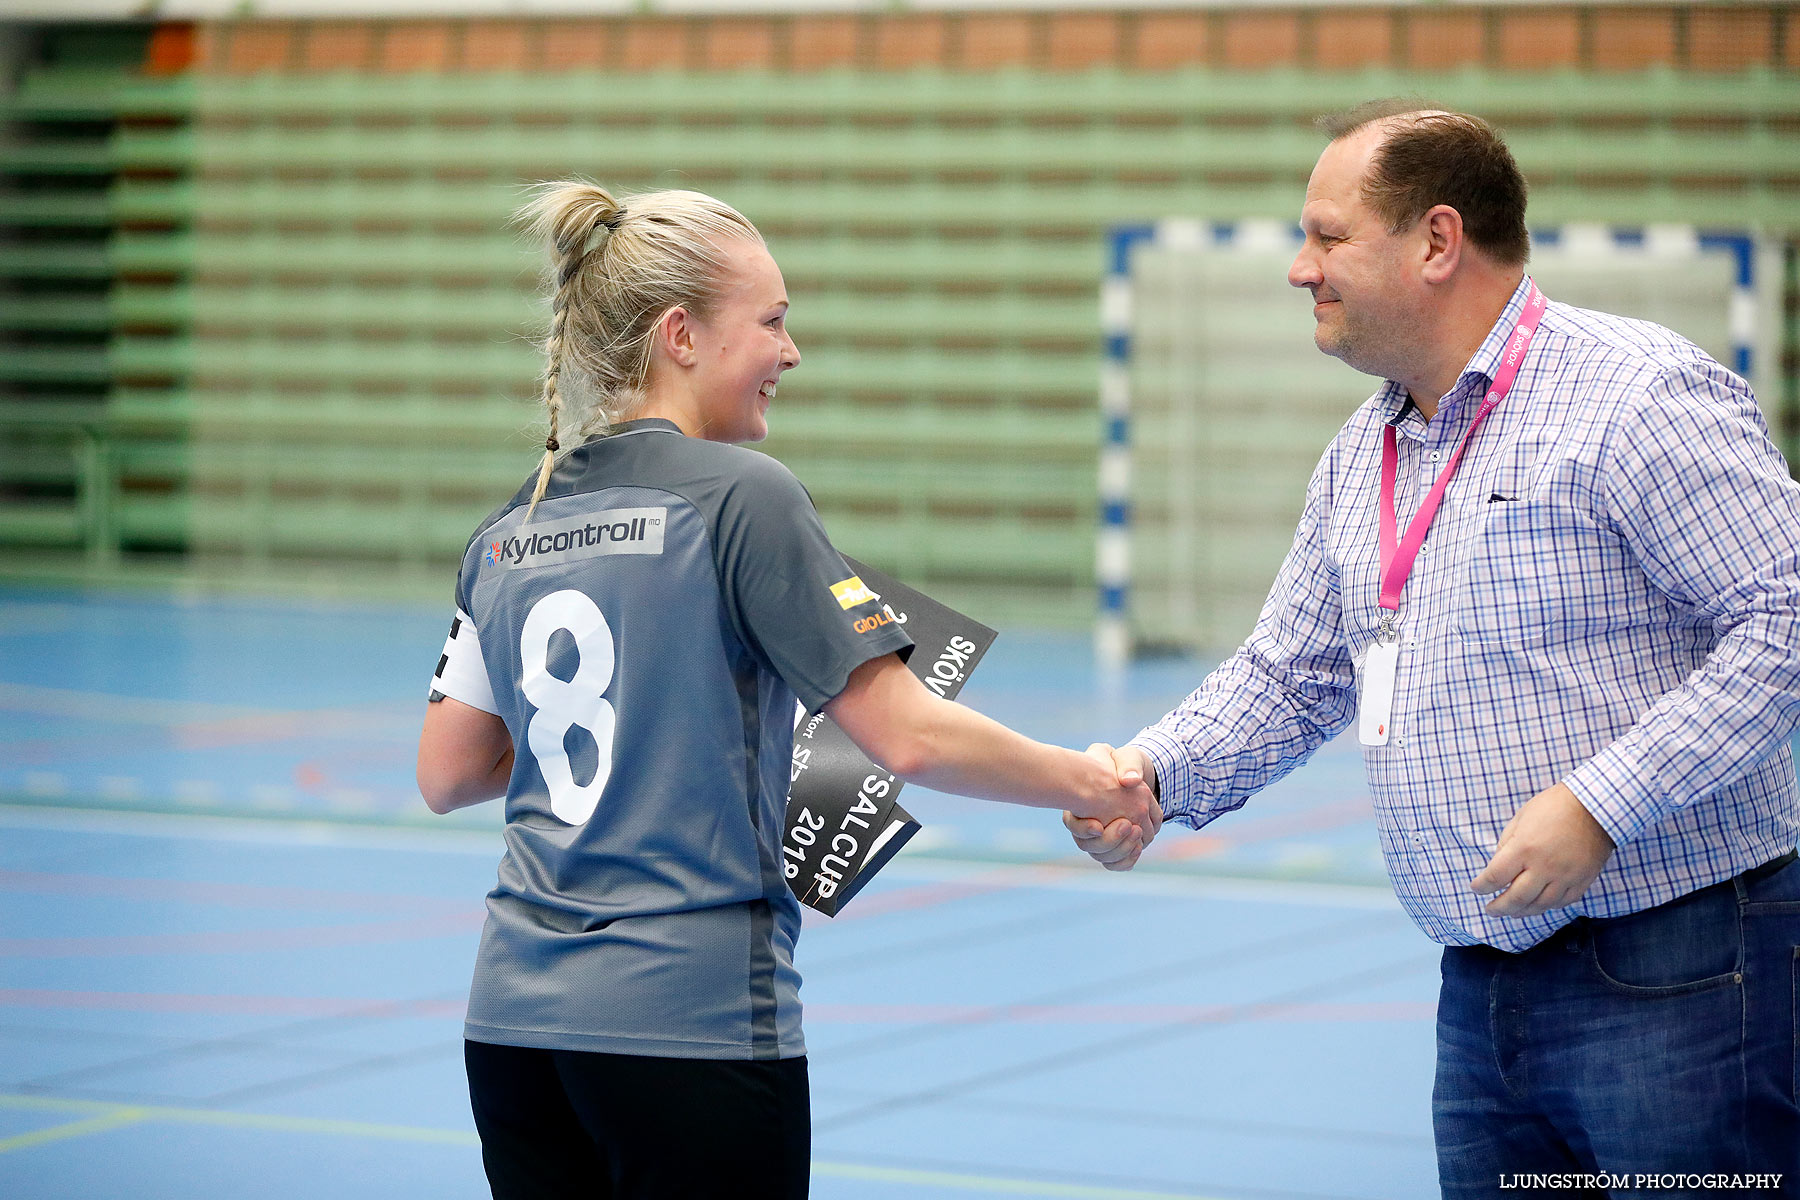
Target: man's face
1364,298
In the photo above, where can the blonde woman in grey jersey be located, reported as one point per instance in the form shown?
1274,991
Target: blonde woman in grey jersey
633,630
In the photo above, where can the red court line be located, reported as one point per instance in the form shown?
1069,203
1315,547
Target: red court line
1117,1014
41,751
379,724
816,1014
1166,847
998,879
1310,820
231,895
177,1002
201,724
245,941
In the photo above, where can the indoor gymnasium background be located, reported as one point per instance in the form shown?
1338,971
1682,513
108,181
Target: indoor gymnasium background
267,356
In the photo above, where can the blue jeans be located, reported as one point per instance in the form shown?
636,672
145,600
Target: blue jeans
1658,1044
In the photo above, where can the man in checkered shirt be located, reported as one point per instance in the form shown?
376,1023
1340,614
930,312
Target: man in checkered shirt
1577,731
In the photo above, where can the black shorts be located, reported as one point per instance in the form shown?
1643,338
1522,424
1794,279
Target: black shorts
558,1123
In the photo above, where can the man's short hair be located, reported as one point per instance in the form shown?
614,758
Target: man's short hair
1433,157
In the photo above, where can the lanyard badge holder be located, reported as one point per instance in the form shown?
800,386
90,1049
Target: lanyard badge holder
1381,663
1375,698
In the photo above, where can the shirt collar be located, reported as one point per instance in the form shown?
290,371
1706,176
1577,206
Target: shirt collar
1482,365
1395,403
642,425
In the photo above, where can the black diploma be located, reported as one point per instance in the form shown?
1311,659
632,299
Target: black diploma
844,820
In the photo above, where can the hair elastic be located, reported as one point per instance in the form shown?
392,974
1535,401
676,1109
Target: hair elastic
594,237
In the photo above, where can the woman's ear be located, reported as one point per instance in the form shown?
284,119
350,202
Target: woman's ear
675,336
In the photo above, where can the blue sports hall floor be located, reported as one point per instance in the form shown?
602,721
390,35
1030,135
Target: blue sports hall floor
234,947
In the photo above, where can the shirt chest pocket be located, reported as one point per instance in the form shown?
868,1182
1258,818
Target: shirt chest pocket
1527,571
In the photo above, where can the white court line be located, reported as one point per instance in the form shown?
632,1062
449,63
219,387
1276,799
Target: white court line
272,830
105,706
142,710
1080,876
921,868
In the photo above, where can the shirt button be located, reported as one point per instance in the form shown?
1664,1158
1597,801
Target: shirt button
1400,739
1436,454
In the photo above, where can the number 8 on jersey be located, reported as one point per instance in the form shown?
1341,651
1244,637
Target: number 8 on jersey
563,705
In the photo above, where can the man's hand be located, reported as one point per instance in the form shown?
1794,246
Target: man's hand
1549,854
1117,846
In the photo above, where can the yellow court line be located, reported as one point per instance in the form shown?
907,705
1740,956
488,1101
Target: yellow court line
999,1185
236,1120
112,1116
109,1120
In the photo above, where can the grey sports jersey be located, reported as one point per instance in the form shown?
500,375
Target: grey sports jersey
646,637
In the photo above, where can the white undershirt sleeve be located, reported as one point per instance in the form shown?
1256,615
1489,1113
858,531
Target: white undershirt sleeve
461,671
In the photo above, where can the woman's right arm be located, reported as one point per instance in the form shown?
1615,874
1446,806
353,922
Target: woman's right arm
465,756
925,739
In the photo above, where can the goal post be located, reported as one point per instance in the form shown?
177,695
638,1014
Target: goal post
1216,405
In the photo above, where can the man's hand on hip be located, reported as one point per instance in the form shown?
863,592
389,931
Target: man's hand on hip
1549,854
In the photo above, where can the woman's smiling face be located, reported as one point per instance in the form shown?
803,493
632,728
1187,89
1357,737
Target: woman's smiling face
742,347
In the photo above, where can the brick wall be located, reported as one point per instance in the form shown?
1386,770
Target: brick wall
1692,37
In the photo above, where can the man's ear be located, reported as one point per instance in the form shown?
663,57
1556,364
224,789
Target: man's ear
675,336
1442,228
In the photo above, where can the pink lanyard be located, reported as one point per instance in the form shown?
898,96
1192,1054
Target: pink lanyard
1397,555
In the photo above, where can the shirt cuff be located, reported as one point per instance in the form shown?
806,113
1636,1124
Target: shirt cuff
1619,792
1174,773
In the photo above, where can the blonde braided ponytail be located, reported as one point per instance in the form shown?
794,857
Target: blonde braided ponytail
576,217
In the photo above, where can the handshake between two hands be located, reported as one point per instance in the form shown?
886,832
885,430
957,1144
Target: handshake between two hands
1117,844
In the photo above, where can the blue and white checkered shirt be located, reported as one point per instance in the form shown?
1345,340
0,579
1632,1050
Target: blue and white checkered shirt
1609,597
